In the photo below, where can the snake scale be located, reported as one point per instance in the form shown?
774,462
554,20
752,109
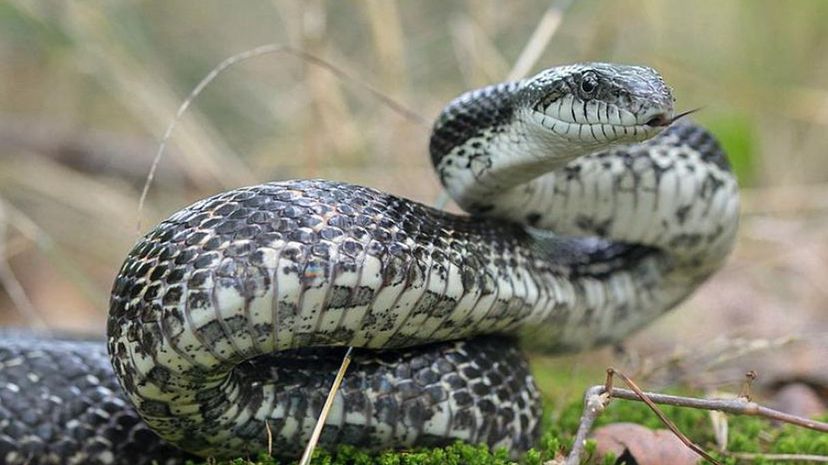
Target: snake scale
592,211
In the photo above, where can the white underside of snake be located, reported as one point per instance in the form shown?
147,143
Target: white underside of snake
592,212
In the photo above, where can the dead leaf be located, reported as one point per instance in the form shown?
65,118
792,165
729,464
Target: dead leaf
636,445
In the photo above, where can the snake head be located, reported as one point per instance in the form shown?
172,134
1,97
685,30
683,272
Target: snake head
597,103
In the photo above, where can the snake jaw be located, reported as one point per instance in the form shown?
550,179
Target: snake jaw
610,103
572,137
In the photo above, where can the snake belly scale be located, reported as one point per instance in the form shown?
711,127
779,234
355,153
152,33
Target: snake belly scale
592,212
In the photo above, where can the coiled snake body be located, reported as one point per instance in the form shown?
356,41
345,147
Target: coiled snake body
592,213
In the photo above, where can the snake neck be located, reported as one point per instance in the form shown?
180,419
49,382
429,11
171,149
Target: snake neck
674,192
482,146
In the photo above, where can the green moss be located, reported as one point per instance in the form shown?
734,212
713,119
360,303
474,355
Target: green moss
746,434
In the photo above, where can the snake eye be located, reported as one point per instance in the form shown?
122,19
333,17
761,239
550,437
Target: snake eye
589,82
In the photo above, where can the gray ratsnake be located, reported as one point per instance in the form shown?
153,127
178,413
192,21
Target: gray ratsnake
591,211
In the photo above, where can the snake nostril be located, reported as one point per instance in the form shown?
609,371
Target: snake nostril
661,119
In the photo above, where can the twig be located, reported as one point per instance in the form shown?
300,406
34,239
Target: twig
323,415
540,38
750,377
598,397
647,400
738,406
246,55
780,457
595,401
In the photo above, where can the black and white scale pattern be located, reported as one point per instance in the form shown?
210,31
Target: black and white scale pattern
589,220
60,403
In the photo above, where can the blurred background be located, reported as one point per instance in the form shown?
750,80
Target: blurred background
88,88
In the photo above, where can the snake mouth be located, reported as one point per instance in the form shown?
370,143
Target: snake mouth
600,122
597,115
660,120
600,132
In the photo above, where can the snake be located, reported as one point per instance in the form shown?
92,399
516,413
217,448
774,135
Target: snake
591,208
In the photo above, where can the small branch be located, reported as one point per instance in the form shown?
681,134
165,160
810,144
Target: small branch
780,457
667,422
320,422
595,401
598,397
750,377
738,406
